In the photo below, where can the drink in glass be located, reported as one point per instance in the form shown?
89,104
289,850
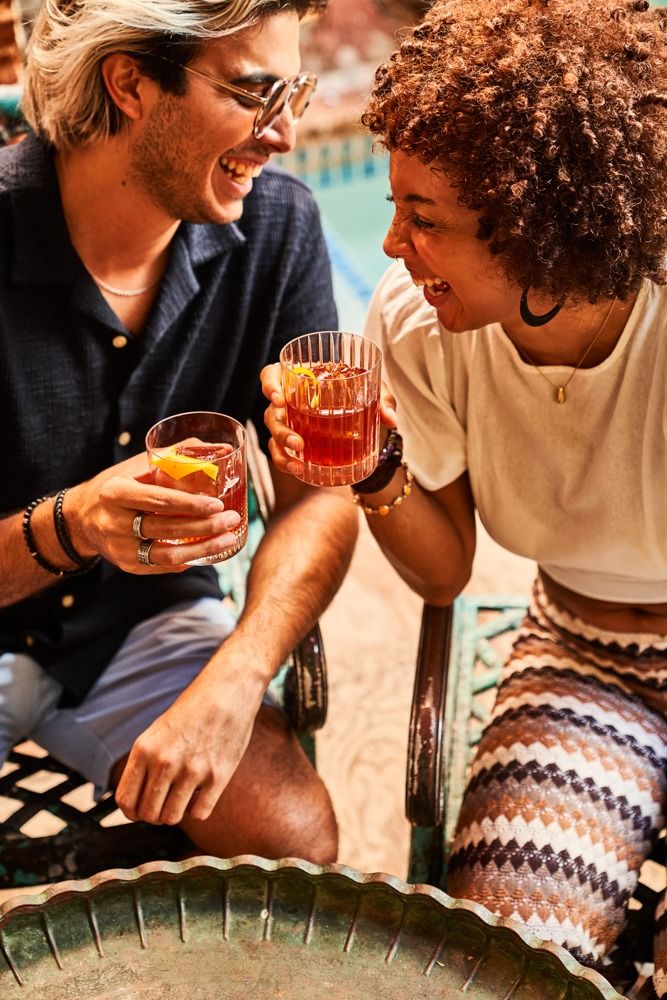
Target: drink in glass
331,383
203,452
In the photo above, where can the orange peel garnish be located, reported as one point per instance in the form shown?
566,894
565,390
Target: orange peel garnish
179,466
302,370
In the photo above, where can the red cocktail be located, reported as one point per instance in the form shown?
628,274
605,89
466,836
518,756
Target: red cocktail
202,452
332,386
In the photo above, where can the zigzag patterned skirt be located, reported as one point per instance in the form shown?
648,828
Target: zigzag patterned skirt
569,785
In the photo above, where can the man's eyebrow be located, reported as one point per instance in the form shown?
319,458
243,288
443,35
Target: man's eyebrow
256,78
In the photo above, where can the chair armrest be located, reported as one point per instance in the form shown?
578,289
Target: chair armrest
424,788
305,690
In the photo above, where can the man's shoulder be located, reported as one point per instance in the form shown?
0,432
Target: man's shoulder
279,196
24,165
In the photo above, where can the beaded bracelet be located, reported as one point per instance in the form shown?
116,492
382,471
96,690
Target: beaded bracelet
385,508
63,534
389,461
31,546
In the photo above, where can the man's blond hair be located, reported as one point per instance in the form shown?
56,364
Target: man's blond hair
65,98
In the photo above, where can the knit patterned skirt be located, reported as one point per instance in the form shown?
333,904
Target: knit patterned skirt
569,785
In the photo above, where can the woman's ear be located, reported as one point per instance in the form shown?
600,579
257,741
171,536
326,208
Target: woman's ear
129,88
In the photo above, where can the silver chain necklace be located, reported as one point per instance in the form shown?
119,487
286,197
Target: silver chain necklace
125,293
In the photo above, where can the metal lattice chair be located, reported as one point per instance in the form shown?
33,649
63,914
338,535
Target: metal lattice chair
461,652
50,826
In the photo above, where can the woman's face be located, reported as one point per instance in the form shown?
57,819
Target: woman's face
436,239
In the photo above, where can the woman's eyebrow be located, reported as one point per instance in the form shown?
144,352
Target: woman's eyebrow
418,199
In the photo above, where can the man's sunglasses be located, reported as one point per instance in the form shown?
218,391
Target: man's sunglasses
296,93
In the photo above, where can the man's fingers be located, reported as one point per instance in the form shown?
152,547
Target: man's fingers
130,787
205,799
163,527
140,496
182,794
170,557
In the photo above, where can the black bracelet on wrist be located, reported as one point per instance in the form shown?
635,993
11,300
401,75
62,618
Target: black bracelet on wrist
32,548
391,457
63,534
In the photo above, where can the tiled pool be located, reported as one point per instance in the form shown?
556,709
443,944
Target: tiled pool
356,216
350,185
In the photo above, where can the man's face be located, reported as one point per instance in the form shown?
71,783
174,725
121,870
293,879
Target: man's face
195,155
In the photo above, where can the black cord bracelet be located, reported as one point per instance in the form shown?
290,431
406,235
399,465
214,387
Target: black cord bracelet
391,457
31,546
63,534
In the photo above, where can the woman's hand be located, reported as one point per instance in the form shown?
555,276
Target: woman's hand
283,439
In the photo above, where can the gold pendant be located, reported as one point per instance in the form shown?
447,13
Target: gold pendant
560,394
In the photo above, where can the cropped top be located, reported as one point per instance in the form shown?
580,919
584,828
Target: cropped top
581,487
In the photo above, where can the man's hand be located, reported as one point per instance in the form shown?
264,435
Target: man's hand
185,759
101,511
283,438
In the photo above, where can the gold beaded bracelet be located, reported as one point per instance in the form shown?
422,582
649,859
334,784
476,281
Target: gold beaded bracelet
385,508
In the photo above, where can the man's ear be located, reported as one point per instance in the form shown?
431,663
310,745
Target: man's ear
130,89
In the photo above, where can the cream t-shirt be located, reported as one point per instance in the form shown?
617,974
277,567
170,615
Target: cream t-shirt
580,487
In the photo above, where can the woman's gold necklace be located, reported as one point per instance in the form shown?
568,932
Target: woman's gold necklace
560,396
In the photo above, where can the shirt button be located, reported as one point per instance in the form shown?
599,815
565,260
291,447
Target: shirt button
30,640
119,341
124,438
67,600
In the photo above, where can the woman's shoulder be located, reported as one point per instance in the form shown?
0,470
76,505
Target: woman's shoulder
401,307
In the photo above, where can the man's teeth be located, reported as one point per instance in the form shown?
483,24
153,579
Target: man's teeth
433,284
240,171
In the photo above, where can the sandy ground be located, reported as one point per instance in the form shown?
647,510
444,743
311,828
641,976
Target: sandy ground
371,633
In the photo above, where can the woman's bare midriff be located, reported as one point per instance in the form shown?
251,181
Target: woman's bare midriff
609,615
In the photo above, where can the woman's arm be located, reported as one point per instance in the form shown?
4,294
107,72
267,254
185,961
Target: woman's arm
430,538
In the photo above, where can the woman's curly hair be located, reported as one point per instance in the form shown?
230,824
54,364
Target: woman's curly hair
550,116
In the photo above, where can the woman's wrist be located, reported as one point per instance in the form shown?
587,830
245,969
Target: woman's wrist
389,462
387,499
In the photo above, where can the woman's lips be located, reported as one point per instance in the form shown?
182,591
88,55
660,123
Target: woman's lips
434,289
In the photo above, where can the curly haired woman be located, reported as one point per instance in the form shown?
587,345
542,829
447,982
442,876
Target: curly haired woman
524,330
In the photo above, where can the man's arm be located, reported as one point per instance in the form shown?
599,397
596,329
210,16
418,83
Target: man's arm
197,744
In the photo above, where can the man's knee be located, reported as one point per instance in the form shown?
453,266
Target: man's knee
276,805
306,824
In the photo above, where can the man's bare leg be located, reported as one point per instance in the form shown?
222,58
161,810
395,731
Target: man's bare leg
275,805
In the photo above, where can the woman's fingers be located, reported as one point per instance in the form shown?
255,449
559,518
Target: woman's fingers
272,386
388,407
283,461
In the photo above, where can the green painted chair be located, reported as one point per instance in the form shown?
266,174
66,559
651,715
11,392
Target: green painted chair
50,826
459,661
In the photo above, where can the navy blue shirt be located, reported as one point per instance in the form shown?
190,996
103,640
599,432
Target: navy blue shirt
78,391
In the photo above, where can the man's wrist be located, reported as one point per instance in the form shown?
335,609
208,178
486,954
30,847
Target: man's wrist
72,510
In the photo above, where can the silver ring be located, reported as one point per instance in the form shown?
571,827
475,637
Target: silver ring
144,552
136,528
